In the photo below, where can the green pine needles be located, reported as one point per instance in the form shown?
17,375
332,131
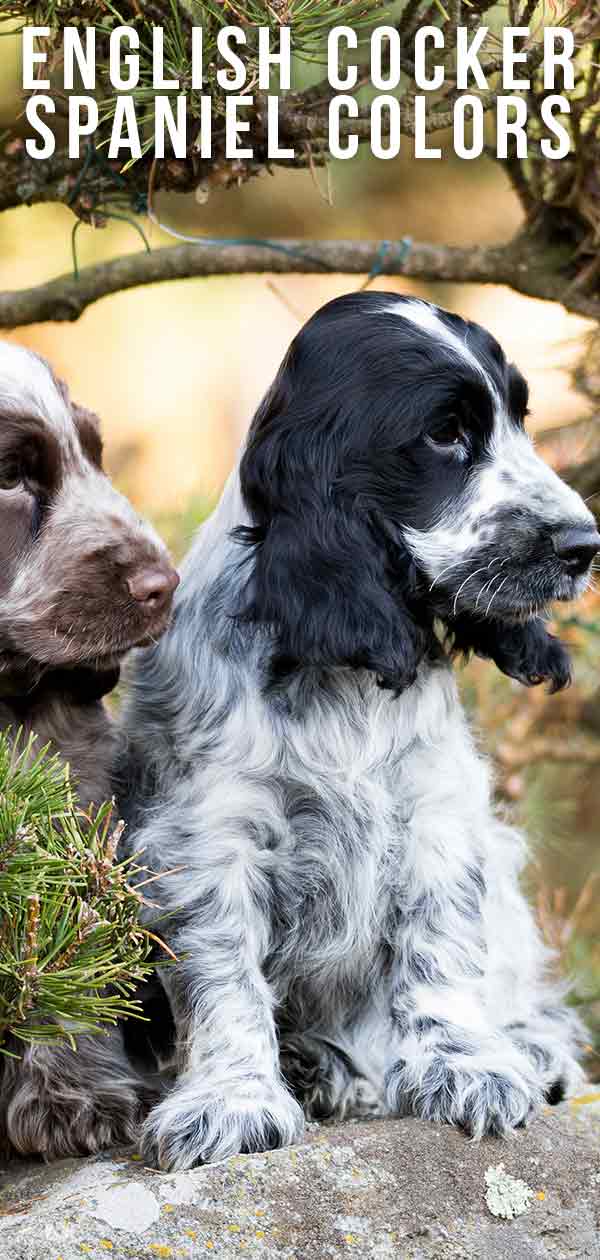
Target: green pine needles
71,947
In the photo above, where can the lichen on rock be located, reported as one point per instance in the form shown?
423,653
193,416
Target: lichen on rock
506,1196
392,1189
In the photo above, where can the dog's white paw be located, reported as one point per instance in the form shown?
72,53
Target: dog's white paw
200,1122
481,1099
560,1075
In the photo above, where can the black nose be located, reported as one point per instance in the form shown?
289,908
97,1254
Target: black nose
152,586
576,547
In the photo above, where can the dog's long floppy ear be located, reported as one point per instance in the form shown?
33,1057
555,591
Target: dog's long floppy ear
526,652
88,427
324,576
86,422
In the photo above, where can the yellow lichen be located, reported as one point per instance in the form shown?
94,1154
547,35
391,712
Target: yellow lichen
585,1098
541,1195
160,1249
106,1243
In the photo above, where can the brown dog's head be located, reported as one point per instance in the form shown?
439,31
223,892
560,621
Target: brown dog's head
82,578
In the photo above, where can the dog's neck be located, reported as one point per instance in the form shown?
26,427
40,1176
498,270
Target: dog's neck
24,686
63,709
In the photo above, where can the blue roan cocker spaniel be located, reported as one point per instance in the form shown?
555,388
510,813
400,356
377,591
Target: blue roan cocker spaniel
345,901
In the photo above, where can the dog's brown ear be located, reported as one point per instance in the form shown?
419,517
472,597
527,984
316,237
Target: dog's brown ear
86,422
88,428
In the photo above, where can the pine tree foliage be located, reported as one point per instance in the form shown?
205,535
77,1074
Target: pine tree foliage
71,947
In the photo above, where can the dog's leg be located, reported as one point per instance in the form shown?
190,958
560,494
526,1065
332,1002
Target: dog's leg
451,1065
532,1009
56,1101
229,1095
326,1081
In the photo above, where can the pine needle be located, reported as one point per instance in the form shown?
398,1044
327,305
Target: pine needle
72,950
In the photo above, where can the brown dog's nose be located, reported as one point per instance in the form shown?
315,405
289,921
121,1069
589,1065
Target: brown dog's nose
153,587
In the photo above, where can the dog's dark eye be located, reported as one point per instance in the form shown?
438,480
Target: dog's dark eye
448,434
21,467
11,478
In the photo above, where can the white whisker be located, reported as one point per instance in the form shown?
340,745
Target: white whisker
496,592
488,584
468,579
454,565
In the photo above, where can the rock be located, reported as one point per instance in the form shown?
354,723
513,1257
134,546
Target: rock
390,1188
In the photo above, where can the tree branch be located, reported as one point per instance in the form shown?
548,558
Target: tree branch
24,181
522,264
27,181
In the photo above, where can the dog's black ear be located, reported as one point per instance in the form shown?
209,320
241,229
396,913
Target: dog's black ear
526,652
319,580
324,577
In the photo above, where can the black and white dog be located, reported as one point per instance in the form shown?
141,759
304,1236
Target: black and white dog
351,934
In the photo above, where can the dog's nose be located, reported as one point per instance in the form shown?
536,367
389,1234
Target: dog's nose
576,547
153,587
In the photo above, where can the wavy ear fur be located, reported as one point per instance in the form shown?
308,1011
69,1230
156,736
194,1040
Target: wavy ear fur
322,584
324,576
526,652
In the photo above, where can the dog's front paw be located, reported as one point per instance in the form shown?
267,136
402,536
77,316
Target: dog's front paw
200,1122
56,1123
560,1076
493,1101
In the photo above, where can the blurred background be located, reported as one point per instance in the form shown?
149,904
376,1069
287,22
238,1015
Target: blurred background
176,371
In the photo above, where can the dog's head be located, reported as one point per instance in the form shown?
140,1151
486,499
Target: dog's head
82,578
390,482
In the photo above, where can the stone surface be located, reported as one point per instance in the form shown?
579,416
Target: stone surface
391,1188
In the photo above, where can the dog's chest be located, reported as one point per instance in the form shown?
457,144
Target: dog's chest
356,773
345,812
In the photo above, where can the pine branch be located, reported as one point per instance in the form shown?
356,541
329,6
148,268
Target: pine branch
560,201
303,118
71,946
26,182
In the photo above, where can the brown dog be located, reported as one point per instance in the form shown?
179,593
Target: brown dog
82,580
